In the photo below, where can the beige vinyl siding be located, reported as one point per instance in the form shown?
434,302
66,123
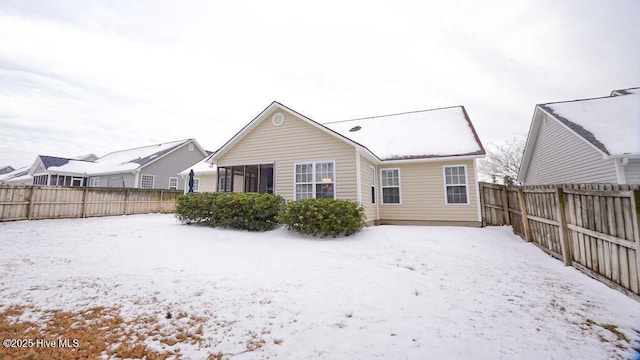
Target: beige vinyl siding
423,195
370,209
632,171
208,182
561,156
291,143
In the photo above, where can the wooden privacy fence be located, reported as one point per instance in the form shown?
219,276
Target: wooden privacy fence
52,202
593,227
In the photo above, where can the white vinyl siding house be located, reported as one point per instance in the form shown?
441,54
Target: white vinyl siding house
560,156
303,159
584,141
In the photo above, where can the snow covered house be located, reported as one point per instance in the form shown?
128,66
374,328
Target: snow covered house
410,168
151,167
18,176
584,141
6,169
205,177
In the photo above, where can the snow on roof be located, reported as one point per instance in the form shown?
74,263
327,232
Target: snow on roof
201,168
419,134
612,123
15,174
119,161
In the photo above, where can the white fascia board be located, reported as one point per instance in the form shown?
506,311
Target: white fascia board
429,160
532,136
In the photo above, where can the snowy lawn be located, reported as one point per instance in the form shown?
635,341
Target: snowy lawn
389,292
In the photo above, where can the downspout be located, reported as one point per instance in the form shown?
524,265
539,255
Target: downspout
620,163
358,179
475,174
137,172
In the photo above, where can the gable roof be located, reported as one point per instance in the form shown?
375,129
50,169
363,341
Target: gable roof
118,161
391,137
414,135
16,173
633,90
611,124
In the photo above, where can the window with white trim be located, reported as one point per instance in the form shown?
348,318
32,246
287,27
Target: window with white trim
146,181
173,183
94,181
373,184
315,180
224,180
390,183
455,184
196,184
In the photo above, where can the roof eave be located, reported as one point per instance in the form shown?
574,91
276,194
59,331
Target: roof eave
434,159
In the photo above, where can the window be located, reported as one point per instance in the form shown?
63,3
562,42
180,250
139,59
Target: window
94,181
196,184
76,182
373,185
147,182
390,182
455,184
173,183
224,180
40,179
315,180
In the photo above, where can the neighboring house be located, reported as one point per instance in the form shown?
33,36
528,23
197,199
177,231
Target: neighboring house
410,168
205,177
584,141
18,176
152,167
6,169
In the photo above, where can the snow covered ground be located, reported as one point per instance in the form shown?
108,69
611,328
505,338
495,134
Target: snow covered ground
389,292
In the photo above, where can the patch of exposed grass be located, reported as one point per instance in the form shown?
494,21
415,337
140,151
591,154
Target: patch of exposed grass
101,332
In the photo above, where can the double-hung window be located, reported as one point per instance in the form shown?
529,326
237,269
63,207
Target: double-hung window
147,182
390,183
196,184
94,181
315,180
173,183
455,184
373,185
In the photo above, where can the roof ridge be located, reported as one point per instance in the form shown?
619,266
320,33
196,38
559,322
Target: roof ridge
585,99
401,113
146,146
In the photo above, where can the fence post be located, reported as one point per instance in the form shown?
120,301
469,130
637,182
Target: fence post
161,210
505,205
126,201
482,203
84,202
31,197
564,231
635,210
525,216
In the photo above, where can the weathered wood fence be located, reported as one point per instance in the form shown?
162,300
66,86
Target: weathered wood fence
51,202
593,227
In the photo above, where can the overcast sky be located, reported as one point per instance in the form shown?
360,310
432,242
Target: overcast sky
80,77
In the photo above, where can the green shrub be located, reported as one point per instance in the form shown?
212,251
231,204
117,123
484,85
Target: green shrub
323,217
245,211
194,207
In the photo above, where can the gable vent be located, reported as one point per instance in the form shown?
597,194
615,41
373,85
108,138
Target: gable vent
277,119
355,128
